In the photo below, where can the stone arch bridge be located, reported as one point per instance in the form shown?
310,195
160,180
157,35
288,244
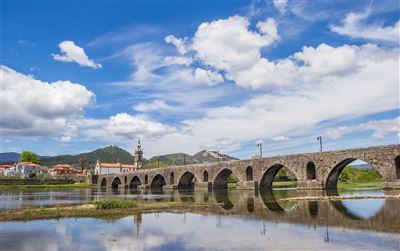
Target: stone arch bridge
318,170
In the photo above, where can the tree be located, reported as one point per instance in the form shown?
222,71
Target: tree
83,161
32,175
28,156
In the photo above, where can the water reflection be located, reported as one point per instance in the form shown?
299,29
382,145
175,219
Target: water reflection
372,214
171,231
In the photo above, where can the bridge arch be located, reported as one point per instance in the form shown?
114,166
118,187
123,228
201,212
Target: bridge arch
249,173
187,181
221,180
158,182
269,175
103,182
397,165
334,174
205,176
311,171
116,182
135,182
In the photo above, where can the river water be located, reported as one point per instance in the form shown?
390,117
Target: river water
243,220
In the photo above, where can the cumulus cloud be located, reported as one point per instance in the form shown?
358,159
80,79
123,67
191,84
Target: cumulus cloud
131,127
207,77
354,25
70,52
228,44
180,43
229,48
280,5
35,108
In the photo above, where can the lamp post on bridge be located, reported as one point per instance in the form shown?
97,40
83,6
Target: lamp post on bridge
319,138
259,145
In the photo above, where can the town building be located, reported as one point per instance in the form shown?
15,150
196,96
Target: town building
23,169
5,169
63,170
116,168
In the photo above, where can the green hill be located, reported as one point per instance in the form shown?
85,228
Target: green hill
200,157
106,154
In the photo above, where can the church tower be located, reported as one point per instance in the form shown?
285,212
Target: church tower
138,154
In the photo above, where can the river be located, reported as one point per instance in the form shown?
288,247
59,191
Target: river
243,220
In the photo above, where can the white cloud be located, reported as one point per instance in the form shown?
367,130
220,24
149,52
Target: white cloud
179,43
327,61
280,5
380,128
354,26
178,60
207,77
280,138
70,52
156,105
131,127
336,133
227,44
35,108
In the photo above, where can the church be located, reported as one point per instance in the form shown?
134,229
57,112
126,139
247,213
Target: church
116,168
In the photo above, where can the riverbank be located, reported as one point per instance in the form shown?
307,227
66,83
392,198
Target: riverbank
372,184
55,186
94,211
319,198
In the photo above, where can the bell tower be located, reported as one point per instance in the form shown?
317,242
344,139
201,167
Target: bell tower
138,154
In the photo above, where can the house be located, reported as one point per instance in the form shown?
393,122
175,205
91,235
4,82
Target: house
23,169
5,169
62,170
111,168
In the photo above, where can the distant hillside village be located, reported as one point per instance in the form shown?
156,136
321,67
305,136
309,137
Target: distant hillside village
108,160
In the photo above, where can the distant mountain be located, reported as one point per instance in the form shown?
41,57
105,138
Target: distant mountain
106,154
9,157
200,157
114,154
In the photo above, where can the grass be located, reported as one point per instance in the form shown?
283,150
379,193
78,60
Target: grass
111,204
20,187
284,184
371,184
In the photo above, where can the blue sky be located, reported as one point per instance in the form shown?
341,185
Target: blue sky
190,75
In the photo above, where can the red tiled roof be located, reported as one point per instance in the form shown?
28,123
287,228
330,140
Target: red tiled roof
118,165
6,166
62,166
28,164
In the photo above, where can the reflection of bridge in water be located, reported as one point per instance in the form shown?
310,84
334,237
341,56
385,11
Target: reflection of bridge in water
251,204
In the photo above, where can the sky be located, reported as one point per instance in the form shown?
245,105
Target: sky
183,76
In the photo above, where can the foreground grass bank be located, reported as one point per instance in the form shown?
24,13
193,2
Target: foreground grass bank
102,209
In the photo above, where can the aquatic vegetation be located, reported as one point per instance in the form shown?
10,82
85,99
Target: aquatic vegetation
110,204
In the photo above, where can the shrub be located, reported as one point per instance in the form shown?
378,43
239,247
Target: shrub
110,204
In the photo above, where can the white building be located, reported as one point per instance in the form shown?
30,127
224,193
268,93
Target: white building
23,169
111,168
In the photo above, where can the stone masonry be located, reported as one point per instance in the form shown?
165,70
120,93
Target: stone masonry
318,170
